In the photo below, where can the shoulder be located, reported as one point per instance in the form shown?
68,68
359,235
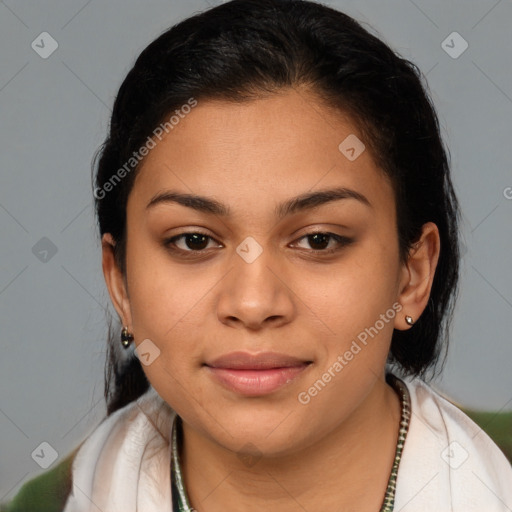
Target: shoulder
444,417
448,460
126,459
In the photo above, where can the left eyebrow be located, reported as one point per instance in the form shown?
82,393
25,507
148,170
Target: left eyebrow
310,200
296,204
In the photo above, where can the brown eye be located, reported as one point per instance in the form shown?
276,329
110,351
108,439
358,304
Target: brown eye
319,242
189,242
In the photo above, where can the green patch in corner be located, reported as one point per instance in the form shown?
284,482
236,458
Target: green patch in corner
46,492
498,426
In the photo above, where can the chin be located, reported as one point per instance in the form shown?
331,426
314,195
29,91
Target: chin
271,433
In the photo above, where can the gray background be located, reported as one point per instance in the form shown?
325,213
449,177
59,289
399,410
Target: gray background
54,115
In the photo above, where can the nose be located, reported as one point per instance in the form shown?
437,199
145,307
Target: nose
255,294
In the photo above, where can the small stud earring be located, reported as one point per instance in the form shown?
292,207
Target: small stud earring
126,337
409,320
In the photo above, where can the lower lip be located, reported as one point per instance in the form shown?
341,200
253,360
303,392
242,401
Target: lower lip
256,382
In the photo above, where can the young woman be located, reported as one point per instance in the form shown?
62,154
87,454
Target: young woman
279,234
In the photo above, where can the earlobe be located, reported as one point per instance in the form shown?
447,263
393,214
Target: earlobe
417,276
114,280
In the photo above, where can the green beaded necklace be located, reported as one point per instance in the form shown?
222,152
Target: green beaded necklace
181,501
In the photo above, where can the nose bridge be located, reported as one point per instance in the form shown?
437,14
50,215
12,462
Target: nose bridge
252,274
253,291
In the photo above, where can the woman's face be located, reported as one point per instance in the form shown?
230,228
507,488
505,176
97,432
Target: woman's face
253,283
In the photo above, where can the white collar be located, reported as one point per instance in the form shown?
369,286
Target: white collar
124,465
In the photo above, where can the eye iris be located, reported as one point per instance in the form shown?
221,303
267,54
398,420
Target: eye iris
319,238
197,239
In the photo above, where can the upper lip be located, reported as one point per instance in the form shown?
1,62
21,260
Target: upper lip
261,361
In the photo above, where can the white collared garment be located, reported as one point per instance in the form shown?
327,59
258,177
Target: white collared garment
448,463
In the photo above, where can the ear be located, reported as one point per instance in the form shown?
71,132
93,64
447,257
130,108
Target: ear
115,281
417,275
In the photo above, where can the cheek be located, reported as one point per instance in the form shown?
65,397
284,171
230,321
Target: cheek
354,293
356,304
164,305
162,295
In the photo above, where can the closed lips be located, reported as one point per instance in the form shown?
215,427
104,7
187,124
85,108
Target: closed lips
255,375
262,361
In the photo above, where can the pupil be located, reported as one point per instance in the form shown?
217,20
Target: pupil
196,239
319,238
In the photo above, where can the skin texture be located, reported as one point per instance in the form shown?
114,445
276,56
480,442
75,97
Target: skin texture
336,451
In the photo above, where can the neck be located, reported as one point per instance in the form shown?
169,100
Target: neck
348,469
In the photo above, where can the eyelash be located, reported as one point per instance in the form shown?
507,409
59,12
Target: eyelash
341,240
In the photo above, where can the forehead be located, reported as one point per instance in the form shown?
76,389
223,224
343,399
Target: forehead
271,148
